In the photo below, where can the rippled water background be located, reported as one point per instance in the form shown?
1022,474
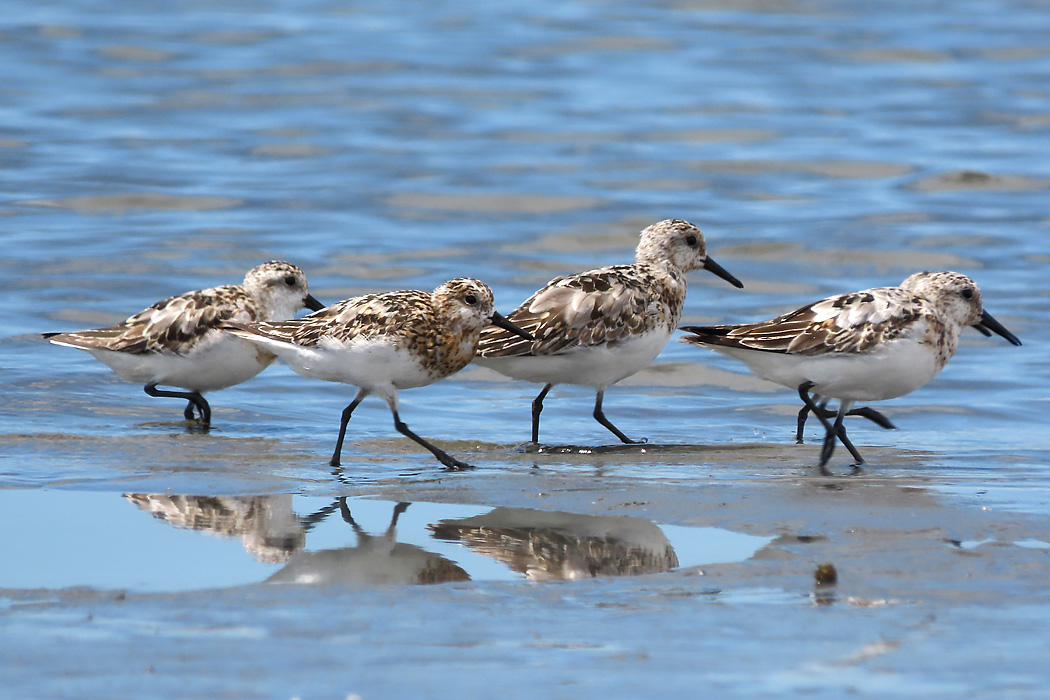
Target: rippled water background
151,148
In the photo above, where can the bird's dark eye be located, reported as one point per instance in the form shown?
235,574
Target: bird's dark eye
289,280
470,299
690,240
967,293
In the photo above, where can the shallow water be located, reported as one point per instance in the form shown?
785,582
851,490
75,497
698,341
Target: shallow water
102,543
153,148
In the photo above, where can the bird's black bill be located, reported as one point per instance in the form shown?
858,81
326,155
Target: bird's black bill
711,266
989,325
499,320
311,303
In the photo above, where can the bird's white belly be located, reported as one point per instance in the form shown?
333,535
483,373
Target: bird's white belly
896,369
595,366
369,364
220,361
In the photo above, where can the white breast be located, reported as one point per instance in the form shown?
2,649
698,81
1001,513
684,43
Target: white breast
595,366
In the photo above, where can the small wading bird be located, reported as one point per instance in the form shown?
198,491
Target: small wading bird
381,343
177,341
871,345
598,327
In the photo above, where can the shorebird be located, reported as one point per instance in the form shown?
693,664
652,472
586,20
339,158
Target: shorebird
598,327
871,345
381,343
177,341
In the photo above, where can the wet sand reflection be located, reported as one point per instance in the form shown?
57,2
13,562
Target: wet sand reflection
271,531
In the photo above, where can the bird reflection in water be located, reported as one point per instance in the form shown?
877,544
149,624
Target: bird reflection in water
547,545
541,545
270,529
376,560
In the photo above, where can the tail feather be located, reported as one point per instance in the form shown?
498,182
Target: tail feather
100,339
243,329
269,334
766,337
709,335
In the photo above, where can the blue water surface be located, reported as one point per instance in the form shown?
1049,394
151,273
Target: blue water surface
155,147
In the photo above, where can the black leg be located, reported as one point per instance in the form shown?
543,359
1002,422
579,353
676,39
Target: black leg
537,408
838,430
807,407
829,431
193,397
188,411
600,417
874,416
864,412
830,437
347,412
441,455
810,407
202,406
803,393
858,460
802,415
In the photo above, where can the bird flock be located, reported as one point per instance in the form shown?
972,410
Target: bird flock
592,329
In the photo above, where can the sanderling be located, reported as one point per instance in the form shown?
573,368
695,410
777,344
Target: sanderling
598,327
384,342
176,342
870,345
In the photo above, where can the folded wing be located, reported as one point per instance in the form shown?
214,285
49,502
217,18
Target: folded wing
847,323
172,325
600,307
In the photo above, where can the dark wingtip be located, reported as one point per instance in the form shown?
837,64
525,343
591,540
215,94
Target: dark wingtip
700,335
711,266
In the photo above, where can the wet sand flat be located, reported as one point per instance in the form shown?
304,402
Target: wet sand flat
930,592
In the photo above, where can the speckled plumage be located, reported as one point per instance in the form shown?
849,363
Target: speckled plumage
598,327
177,342
179,324
384,342
425,326
602,307
870,345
